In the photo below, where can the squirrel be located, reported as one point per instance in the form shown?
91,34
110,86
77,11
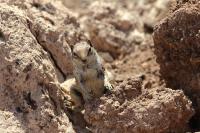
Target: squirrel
90,77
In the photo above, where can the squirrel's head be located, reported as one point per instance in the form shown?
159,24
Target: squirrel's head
83,53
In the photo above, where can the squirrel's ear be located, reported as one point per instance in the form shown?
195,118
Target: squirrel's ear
90,43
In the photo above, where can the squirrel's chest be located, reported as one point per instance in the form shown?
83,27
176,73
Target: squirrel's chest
89,74
93,82
96,86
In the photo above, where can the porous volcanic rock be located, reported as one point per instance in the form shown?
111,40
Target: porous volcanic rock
130,109
55,28
177,48
28,100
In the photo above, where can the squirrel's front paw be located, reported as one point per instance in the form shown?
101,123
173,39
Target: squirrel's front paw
108,88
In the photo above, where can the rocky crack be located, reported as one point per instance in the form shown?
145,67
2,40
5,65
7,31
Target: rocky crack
35,34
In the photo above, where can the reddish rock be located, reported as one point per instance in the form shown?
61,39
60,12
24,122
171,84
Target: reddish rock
177,48
130,109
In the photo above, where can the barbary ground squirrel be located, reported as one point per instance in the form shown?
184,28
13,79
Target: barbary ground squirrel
90,78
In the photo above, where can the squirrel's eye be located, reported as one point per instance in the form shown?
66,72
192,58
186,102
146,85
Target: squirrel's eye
89,51
75,55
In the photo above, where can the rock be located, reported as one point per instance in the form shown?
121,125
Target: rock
55,29
21,55
137,37
9,123
151,11
130,109
177,48
29,100
106,56
110,26
158,10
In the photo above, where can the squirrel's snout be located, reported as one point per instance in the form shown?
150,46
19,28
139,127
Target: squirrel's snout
84,60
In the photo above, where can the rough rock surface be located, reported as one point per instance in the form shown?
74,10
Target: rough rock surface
55,29
112,28
151,11
130,109
177,48
29,102
35,58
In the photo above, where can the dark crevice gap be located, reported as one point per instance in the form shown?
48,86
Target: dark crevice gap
54,61
35,34
194,123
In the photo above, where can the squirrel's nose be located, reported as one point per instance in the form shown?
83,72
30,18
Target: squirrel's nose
84,60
